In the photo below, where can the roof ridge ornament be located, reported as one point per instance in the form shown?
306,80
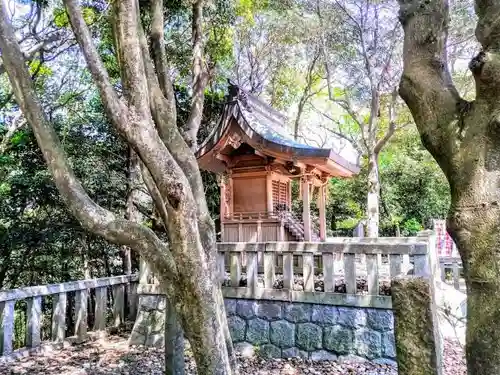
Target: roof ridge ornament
237,93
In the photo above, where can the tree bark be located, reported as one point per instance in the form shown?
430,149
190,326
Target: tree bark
373,197
185,267
464,138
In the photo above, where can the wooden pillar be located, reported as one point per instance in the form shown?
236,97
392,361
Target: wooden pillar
223,206
269,191
306,209
322,213
289,195
229,195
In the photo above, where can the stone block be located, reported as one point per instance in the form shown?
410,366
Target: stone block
297,312
237,328
282,334
156,322
230,305
246,308
418,341
380,320
351,358
136,338
324,315
269,310
270,351
245,349
309,336
257,331
294,353
352,317
148,302
388,345
323,355
161,303
368,343
338,339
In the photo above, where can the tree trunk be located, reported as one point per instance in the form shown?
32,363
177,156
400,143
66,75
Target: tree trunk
174,343
464,138
372,201
200,314
474,224
186,265
135,193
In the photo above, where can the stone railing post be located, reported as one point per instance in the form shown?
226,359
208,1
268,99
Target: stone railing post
419,344
6,327
418,340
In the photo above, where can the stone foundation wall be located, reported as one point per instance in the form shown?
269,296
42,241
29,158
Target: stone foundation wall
317,332
284,329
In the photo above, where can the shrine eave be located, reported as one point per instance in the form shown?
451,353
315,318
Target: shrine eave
261,127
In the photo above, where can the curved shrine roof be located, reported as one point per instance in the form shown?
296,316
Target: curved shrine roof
264,129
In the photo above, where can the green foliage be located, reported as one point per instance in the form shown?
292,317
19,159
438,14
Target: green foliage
36,66
246,9
41,242
413,192
61,18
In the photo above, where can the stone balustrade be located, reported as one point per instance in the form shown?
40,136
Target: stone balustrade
455,264
302,311
60,294
339,310
361,263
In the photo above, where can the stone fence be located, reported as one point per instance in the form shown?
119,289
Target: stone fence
450,269
79,295
342,310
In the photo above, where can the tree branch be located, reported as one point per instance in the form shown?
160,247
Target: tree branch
176,145
16,124
199,77
160,57
115,109
92,216
392,124
306,94
426,84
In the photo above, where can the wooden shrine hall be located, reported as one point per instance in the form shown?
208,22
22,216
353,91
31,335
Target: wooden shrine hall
258,159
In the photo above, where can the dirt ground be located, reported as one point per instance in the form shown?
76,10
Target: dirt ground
112,356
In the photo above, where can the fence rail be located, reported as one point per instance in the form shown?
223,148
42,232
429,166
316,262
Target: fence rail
361,259
60,301
323,267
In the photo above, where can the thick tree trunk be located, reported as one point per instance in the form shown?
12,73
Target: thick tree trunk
136,196
474,224
373,196
186,265
199,308
464,139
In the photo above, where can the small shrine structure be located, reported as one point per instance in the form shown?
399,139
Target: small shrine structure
258,159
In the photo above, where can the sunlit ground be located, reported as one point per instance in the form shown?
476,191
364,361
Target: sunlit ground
112,356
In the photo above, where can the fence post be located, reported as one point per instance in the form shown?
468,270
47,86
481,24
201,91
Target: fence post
6,327
419,343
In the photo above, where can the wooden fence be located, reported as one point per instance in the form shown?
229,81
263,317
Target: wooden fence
60,300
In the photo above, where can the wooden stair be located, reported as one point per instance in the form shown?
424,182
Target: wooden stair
296,227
